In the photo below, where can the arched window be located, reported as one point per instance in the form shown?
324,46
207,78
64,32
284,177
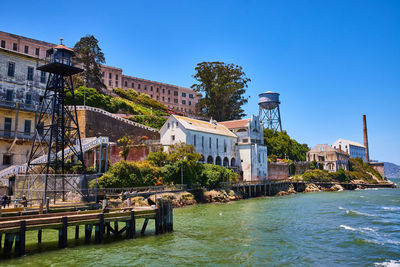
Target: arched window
226,162
218,160
233,162
210,160
224,145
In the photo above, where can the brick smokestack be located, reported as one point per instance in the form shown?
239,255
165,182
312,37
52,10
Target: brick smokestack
366,138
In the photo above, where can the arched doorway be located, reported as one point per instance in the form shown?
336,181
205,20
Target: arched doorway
210,160
226,162
218,161
233,162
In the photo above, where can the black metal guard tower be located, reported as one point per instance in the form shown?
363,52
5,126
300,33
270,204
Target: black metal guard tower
56,145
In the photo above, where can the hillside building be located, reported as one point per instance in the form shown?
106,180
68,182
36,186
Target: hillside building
356,150
332,159
175,97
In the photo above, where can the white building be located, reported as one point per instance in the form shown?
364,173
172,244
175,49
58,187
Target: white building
251,148
356,150
213,141
240,148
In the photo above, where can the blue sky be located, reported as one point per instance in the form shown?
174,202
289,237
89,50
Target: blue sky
331,61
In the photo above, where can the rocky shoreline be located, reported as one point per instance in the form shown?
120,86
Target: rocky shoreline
201,196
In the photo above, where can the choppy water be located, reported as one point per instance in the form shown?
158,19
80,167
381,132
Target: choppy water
356,228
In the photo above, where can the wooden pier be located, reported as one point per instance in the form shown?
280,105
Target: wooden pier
102,222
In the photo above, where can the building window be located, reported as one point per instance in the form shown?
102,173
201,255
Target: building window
176,100
224,146
183,94
109,76
151,96
169,92
27,127
172,137
116,76
157,97
109,83
145,87
138,86
15,46
3,44
194,140
175,93
168,125
6,159
30,74
11,69
28,99
217,144
103,73
151,88
9,95
190,96
37,52
190,103
133,85
7,127
183,102
209,143
177,124
126,84
43,77
26,49
163,98
116,83
163,91
202,142
157,90
169,99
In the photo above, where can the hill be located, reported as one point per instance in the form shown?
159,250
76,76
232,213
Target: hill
392,170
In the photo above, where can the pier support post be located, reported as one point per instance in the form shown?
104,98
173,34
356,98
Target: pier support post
76,231
62,233
156,222
39,236
133,225
20,240
116,227
88,232
99,230
146,221
8,243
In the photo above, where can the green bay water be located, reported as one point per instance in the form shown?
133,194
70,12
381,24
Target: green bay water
347,228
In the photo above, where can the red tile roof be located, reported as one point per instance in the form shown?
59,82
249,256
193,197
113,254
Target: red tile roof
235,124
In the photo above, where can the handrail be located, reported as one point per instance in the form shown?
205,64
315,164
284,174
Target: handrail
87,144
102,111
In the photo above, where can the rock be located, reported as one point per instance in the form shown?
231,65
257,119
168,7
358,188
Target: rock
336,187
312,188
289,191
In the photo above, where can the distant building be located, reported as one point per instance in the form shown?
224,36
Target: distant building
251,148
332,159
356,150
233,144
175,97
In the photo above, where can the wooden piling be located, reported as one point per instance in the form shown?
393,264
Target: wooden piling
20,240
62,233
99,230
39,236
8,243
76,231
146,221
116,227
88,232
156,222
133,225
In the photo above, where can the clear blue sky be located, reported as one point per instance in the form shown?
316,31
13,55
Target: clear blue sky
331,61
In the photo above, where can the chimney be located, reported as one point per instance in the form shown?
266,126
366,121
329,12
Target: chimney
366,138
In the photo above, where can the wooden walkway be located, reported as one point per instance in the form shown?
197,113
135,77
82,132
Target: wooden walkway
101,221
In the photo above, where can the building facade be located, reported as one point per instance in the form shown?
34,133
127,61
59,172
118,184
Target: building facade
21,87
233,144
251,148
175,97
356,150
332,159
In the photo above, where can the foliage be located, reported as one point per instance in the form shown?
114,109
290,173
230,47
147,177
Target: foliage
142,99
313,164
129,174
89,53
223,87
124,143
292,168
280,145
151,121
212,175
92,98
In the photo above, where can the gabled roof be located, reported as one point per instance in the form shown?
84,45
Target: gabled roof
236,123
353,143
203,126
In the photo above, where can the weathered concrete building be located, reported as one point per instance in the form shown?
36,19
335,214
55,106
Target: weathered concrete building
356,150
332,159
175,97
21,87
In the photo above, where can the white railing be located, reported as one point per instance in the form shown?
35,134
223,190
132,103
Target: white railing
102,111
87,144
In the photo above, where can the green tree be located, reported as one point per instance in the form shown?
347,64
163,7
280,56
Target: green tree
89,53
281,145
124,142
222,87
